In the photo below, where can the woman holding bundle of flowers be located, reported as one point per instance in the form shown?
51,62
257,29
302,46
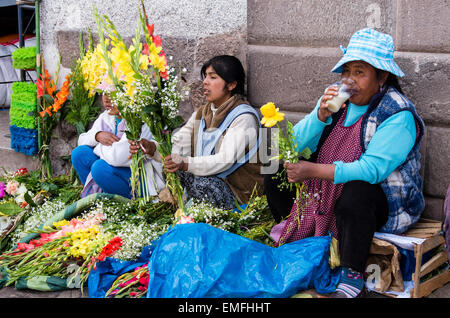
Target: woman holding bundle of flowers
102,158
364,173
215,152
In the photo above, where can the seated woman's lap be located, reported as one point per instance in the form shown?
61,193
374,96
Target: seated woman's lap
83,158
212,189
115,180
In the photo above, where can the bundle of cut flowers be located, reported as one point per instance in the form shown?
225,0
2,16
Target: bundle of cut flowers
133,284
144,88
79,241
24,195
288,152
51,101
13,190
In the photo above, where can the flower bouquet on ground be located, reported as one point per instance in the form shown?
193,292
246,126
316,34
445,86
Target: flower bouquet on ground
51,100
78,242
253,222
23,194
287,152
133,285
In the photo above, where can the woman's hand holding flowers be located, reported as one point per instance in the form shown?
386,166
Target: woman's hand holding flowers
174,162
302,170
147,147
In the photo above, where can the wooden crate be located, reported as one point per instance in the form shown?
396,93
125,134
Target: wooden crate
431,231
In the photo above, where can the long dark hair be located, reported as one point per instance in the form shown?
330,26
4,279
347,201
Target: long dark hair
392,80
230,69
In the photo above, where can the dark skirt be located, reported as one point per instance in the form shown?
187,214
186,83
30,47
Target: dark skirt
211,189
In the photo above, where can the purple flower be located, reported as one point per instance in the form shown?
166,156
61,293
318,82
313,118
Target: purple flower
2,190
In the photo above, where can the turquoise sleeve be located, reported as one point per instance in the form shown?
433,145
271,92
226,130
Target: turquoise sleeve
388,148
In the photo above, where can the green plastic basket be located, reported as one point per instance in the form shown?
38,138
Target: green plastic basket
24,58
23,101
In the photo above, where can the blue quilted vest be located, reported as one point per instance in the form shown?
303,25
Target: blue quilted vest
403,187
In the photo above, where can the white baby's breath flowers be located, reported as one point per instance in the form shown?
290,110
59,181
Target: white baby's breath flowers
132,228
170,94
37,216
206,212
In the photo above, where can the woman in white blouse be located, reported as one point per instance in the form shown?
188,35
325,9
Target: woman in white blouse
215,152
102,158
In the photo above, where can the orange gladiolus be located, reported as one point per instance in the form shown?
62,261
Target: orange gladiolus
51,87
61,96
57,105
40,88
47,110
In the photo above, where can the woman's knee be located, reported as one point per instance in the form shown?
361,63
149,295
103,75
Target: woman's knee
357,195
100,170
79,154
362,200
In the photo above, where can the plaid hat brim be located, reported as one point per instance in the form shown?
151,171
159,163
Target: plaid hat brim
385,65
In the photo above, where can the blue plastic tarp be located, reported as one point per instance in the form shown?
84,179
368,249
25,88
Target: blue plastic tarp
101,279
199,261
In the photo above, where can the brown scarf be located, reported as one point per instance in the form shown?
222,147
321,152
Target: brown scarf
245,178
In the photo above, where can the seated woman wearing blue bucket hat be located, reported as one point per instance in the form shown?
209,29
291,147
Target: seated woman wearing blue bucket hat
364,171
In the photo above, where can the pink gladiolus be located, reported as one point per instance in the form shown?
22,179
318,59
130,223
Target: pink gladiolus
144,280
127,282
186,219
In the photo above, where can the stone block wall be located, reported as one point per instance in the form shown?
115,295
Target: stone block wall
293,45
192,31
288,48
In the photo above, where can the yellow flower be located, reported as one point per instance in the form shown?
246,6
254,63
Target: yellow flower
60,223
158,62
94,69
143,62
271,115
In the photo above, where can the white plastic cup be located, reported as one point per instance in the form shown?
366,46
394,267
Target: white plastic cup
344,93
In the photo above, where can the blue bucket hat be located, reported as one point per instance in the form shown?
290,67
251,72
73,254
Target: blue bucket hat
373,47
